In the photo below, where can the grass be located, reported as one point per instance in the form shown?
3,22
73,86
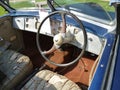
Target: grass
2,11
39,0
18,5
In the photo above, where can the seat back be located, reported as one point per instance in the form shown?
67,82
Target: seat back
15,67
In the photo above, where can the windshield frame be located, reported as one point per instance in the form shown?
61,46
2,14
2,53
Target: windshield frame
7,7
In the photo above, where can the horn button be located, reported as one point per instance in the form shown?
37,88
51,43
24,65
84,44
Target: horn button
62,38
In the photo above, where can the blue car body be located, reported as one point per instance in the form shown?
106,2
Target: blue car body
107,74
109,80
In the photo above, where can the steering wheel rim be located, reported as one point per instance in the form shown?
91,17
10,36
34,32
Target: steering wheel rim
84,34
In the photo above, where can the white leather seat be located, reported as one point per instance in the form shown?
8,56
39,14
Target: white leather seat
15,66
48,80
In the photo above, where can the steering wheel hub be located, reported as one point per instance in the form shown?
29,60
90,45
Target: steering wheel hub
58,39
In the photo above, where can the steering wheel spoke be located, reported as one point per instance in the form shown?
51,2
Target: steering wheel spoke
49,51
63,30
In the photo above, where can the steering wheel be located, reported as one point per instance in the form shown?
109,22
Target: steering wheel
62,37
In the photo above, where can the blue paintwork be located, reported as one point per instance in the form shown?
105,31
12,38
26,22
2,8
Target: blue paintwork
25,13
97,30
116,77
99,74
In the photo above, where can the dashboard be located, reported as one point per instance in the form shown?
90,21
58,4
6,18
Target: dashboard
53,27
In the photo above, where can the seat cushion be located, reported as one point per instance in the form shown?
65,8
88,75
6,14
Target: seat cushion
15,66
48,80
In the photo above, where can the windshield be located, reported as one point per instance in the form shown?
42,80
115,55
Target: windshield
103,3
99,9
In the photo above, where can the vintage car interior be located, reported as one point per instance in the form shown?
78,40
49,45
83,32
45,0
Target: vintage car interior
54,53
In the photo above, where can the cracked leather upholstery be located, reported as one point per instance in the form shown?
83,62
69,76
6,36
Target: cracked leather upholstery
15,66
48,80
